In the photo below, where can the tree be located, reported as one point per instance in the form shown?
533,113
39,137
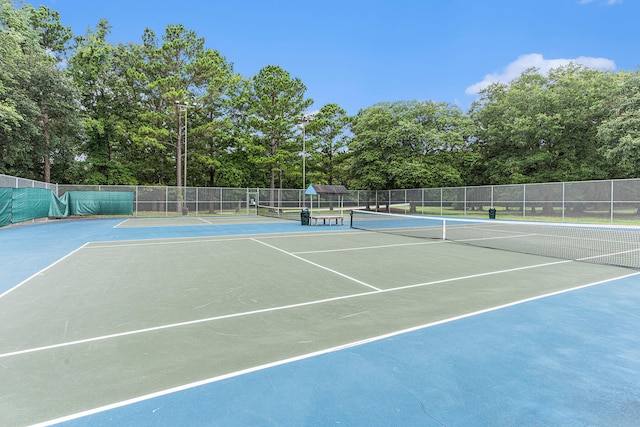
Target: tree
209,154
10,58
51,34
57,120
180,71
327,142
408,145
109,104
41,124
620,133
543,128
277,101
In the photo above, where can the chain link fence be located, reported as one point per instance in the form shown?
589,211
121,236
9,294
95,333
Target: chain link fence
608,201
7,181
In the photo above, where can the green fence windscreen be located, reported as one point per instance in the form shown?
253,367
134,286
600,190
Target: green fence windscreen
59,207
23,204
100,203
30,203
5,206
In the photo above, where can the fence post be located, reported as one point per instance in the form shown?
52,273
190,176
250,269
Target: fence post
524,201
465,201
612,205
405,201
563,206
492,196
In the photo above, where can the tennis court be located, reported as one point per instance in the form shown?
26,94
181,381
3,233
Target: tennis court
257,321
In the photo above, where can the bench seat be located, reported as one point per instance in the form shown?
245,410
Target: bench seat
325,218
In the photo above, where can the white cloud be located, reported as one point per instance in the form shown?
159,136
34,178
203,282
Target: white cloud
536,60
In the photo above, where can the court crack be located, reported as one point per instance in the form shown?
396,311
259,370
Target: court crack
424,409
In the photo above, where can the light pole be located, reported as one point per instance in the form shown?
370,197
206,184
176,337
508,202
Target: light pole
303,121
185,107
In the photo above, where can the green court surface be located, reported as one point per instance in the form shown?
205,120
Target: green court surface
116,320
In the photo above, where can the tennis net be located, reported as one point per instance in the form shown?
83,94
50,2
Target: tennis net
276,212
598,244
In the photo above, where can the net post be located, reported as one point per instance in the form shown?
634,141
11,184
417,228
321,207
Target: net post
444,229
351,218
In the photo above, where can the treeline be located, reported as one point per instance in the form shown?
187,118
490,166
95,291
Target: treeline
79,109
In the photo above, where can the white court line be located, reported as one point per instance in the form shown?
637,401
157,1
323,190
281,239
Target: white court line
608,255
318,265
179,324
222,238
135,243
184,387
205,239
311,234
120,223
270,309
43,270
397,245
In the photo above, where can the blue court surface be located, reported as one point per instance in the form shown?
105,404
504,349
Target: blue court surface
519,340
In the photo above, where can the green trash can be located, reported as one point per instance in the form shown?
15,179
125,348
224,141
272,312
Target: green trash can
304,216
492,213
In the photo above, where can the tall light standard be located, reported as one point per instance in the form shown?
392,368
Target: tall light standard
185,107
303,121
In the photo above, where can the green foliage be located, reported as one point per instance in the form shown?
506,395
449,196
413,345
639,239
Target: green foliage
327,142
620,133
408,145
40,124
126,113
543,128
275,104
98,69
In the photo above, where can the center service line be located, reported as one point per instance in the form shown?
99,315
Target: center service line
319,266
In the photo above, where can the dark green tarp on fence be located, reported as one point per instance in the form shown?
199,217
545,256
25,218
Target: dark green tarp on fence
59,207
23,204
30,203
100,202
5,206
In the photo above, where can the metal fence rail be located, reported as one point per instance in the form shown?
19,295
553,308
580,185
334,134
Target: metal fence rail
583,201
8,181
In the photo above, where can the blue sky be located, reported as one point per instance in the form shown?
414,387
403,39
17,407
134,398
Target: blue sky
358,53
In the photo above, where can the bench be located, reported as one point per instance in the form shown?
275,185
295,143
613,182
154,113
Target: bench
330,218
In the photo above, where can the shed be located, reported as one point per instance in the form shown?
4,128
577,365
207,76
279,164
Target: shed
331,194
